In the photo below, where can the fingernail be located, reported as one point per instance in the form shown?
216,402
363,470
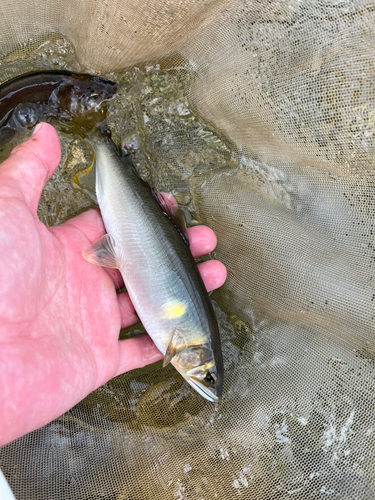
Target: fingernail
37,128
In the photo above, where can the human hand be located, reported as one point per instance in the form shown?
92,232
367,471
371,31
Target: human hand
60,316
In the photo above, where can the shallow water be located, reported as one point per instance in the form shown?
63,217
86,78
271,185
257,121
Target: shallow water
151,118
294,420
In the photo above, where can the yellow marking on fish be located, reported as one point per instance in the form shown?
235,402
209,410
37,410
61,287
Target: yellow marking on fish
83,172
173,309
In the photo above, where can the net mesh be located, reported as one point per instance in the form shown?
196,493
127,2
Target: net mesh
260,117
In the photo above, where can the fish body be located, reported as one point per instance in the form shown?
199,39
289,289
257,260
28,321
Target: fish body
30,98
159,272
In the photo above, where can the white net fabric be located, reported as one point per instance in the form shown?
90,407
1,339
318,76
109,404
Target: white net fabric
284,174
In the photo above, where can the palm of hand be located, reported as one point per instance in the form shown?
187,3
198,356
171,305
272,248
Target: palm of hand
61,316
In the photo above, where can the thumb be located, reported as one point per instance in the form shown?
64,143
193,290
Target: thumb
31,164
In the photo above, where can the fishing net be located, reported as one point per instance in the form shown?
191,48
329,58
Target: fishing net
260,117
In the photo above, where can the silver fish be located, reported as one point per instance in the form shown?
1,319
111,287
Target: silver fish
159,272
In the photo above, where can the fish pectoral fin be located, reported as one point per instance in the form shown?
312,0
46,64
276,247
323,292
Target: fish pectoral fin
171,350
176,343
102,253
170,353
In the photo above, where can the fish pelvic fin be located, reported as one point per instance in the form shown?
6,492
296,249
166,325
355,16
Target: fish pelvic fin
103,253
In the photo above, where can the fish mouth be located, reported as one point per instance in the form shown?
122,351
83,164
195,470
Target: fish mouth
204,391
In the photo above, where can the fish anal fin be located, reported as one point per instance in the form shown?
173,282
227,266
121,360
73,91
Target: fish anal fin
102,253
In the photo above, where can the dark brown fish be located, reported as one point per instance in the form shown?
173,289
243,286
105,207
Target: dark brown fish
62,95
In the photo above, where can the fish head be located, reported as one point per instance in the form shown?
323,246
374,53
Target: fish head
82,94
198,366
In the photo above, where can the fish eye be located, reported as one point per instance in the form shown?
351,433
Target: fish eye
211,377
26,115
94,96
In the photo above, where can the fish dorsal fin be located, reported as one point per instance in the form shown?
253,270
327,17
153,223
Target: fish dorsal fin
103,253
174,214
